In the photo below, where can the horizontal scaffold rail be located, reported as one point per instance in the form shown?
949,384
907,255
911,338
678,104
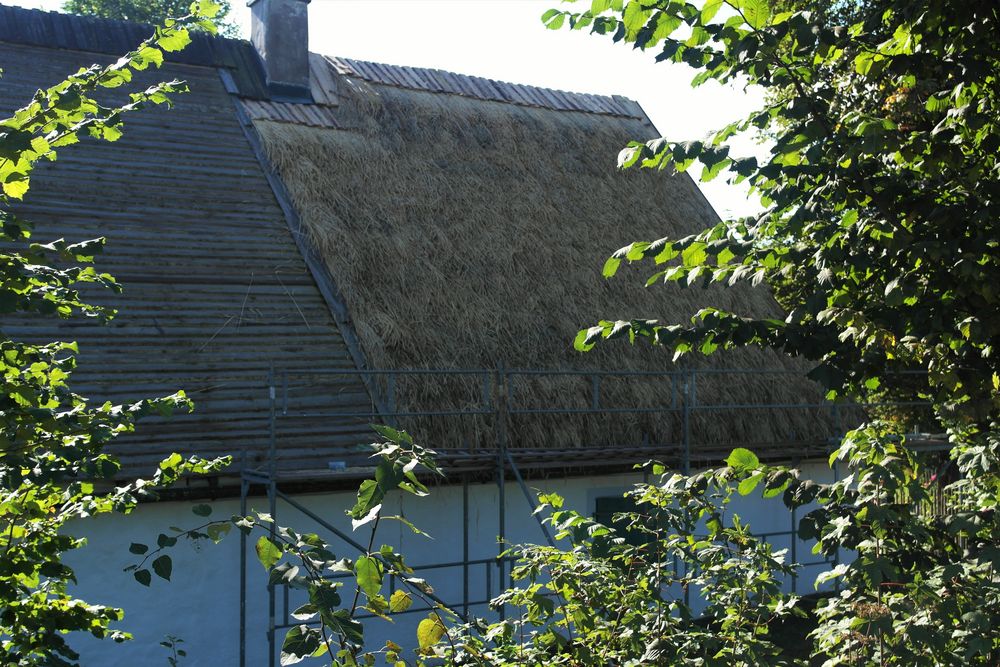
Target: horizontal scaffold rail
582,416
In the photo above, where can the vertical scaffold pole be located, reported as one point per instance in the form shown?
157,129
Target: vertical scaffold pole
272,443
465,546
272,501
244,490
501,426
390,391
686,420
686,452
839,437
795,550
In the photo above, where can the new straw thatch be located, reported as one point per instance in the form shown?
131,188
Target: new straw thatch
467,233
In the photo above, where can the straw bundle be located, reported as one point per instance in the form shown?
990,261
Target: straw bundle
467,233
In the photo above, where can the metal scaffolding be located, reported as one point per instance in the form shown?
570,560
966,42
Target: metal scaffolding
498,460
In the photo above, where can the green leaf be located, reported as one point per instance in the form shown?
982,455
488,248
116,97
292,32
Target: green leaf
16,187
163,566
694,254
710,9
207,8
202,510
173,40
137,548
710,173
306,612
147,56
388,476
324,596
400,601
341,622
217,531
373,514
369,495
584,341
284,574
171,462
369,575
300,643
393,435
268,552
742,459
143,577
747,486
635,16
553,19
756,12
429,632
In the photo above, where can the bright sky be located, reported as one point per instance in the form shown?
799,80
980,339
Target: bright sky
505,40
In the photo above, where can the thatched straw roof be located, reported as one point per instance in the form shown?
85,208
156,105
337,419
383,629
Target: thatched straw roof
467,232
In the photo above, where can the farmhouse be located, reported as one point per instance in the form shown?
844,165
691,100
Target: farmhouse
309,244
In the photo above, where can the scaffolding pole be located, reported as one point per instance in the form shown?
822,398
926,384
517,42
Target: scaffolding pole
501,436
244,491
272,502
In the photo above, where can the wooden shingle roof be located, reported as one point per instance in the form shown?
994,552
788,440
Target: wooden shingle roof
35,27
440,81
216,291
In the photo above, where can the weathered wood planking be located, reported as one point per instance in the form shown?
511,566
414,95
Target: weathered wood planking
114,37
215,289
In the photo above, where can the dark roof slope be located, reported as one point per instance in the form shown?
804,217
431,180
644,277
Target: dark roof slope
215,289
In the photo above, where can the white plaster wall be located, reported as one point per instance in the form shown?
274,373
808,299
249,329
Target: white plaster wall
201,603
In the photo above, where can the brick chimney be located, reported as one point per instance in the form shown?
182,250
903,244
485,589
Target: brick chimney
279,31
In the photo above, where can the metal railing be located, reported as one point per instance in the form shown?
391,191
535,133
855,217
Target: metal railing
503,397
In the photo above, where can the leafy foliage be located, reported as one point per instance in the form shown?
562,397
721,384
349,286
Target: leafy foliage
154,12
52,440
700,590
172,644
880,190
304,561
886,136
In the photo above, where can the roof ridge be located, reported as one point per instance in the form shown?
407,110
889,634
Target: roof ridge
49,13
470,85
52,14
52,29
96,34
